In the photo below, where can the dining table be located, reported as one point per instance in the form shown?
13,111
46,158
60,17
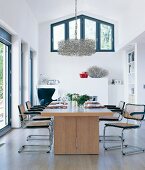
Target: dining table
76,129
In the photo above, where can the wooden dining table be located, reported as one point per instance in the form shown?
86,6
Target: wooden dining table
76,130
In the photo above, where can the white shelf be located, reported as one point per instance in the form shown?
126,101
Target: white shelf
131,76
131,62
131,73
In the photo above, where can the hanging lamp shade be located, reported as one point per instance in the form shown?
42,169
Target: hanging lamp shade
76,47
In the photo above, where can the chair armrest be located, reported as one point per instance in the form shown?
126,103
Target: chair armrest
110,106
32,112
137,113
116,110
38,106
39,110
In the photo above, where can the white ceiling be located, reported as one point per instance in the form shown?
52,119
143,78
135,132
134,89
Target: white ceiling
52,9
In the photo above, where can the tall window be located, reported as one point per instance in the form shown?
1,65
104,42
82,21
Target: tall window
72,29
58,33
106,37
88,28
5,80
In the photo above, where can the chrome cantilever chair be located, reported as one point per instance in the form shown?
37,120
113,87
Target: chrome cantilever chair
38,118
35,107
33,125
131,112
116,108
119,111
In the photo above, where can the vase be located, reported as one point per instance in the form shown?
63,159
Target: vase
84,75
74,104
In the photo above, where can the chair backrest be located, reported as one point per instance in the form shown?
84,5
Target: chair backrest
130,108
45,95
28,104
21,111
121,105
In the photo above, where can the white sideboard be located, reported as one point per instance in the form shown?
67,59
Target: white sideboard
116,94
90,86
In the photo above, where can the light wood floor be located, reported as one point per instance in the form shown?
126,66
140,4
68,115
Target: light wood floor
108,160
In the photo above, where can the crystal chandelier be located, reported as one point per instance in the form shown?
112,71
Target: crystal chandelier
76,47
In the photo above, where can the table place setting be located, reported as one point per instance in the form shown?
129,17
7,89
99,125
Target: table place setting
93,104
57,105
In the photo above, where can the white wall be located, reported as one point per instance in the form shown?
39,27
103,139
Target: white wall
68,68
15,81
89,86
139,48
131,22
140,73
116,94
17,18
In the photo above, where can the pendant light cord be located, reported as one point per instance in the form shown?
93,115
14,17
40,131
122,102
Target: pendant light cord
76,24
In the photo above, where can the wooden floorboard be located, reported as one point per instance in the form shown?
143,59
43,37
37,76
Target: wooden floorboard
108,160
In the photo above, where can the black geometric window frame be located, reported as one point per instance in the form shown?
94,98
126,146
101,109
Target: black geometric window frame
82,32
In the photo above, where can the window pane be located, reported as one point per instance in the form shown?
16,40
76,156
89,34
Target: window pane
58,35
106,37
90,29
72,29
3,86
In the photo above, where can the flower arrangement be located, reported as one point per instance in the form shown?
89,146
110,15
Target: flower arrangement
97,72
80,99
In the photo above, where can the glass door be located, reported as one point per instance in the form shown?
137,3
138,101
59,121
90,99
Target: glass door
4,86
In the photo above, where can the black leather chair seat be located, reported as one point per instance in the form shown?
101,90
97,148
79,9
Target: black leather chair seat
31,112
40,118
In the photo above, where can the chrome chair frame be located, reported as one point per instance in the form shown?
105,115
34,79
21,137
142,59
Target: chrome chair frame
136,149
36,109
24,123
118,110
46,137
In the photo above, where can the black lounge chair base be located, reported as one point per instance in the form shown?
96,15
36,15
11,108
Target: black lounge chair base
24,148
